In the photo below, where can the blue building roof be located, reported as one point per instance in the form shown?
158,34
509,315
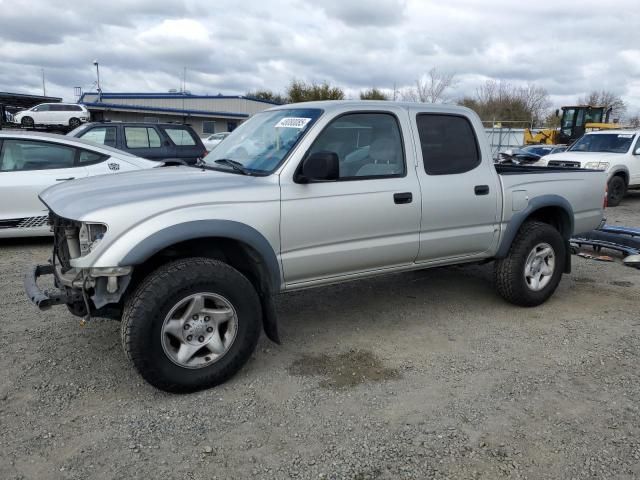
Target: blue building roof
178,111
128,95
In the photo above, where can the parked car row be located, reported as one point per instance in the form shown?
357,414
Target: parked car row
528,154
154,141
30,162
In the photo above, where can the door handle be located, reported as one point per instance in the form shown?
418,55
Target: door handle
64,179
481,189
404,197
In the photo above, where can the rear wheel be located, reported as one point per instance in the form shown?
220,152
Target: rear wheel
27,122
616,188
532,270
192,324
74,122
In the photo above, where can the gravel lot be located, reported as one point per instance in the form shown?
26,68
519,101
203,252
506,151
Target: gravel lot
417,375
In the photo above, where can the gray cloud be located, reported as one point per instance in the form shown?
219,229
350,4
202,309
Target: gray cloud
232,47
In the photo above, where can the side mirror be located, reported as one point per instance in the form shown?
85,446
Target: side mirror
319,167
637,151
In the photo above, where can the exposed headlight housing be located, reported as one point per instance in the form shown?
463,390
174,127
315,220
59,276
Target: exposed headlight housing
596,165
90,235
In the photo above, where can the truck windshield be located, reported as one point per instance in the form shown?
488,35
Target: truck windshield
261,143
604,142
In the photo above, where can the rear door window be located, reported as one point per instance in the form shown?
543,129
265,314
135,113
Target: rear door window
89,158
141,137
102,135
180,136
448,144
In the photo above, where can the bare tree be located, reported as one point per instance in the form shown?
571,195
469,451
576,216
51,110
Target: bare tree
497,100
430,87
606,99
634,121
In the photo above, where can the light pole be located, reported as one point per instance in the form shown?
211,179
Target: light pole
95,62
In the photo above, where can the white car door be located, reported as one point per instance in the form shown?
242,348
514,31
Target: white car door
42,114
29,166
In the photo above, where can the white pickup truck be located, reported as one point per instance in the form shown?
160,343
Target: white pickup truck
299,196
617,152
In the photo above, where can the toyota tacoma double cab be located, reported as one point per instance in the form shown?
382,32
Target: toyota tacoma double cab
190,258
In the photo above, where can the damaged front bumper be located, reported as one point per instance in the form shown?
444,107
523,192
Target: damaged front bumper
98,286
44,299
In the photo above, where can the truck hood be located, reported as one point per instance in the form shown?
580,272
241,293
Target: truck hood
142,193
582,157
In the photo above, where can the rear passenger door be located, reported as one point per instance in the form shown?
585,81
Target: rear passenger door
146,142
104,135
186,146
460,210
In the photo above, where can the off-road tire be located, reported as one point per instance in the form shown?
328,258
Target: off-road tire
616,190
146,308
74,122
27,122
509,271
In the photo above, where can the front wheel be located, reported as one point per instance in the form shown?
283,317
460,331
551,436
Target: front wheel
532,270
616,189
27,122
192,324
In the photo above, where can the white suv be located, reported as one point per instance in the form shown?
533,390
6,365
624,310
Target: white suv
67,114
615,151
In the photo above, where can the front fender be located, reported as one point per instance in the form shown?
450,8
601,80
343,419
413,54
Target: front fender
134,247
206,228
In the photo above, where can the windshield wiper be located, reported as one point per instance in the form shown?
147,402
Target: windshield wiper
237,166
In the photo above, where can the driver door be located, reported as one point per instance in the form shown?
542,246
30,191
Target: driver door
367,220
27,167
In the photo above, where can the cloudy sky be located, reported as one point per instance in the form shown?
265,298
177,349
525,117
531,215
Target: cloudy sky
232,46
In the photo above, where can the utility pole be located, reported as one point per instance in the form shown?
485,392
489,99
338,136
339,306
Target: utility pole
44,88
95,62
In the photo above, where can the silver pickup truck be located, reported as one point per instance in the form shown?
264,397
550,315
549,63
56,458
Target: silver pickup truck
303,195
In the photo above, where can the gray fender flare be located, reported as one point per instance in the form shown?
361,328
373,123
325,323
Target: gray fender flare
207,228
224,229
520,217
619,169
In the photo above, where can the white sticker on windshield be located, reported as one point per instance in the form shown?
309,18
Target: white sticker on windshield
625,135
293,122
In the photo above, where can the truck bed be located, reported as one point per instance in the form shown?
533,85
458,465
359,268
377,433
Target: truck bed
506,169
528,188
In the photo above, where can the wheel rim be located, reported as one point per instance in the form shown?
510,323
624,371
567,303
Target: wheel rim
539,267
616,190
199,330
74,122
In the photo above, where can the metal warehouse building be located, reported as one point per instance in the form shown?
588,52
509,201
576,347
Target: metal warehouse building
205,113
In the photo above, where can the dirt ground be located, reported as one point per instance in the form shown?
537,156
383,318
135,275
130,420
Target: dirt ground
417,375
